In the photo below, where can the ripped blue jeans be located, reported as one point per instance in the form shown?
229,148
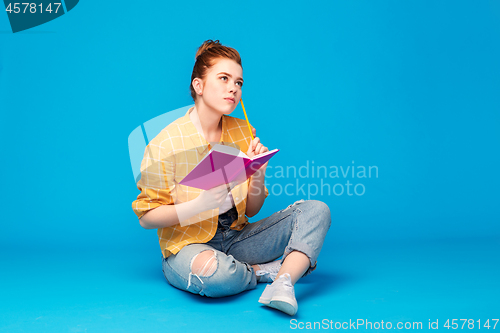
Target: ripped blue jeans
302,226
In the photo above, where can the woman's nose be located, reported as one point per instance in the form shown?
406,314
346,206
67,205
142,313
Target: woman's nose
233,87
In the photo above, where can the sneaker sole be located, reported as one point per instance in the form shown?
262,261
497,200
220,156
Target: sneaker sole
284,304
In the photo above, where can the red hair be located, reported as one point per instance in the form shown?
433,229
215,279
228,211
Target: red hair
206,56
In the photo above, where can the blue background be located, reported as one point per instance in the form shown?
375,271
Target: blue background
411,87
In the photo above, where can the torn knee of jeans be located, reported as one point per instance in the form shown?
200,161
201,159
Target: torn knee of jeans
295,203
204,263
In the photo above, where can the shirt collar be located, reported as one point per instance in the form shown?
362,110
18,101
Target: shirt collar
197,139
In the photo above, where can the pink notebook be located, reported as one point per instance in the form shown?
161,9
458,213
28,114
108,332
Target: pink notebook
224,164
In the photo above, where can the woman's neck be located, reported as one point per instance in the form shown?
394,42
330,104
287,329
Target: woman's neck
208,123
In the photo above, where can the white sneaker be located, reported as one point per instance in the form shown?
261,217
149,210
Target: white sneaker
267,272
280,295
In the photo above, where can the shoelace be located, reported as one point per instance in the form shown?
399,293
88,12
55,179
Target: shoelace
266,274
269,271
287,281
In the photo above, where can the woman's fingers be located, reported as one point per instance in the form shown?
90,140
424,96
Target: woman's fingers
256,147
263,150
255,142
260,149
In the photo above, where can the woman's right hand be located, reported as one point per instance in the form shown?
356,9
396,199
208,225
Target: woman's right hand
215,197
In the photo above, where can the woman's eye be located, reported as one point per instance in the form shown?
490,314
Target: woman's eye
225,77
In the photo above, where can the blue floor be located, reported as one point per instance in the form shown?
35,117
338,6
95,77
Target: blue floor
405,282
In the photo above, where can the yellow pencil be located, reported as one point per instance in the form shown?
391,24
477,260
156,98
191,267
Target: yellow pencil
249,128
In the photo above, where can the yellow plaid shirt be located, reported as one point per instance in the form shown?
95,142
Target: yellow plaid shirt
168,158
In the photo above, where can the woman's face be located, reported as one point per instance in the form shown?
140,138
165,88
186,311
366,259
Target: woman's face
222,83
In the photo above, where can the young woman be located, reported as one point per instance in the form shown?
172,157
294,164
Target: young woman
208,246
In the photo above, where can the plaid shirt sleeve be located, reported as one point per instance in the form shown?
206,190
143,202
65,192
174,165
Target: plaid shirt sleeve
157,184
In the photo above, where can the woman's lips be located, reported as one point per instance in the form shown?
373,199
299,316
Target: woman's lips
229,99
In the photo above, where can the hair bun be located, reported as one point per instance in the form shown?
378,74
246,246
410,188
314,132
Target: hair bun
208,44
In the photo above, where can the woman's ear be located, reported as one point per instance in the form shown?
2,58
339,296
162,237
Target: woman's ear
198,85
